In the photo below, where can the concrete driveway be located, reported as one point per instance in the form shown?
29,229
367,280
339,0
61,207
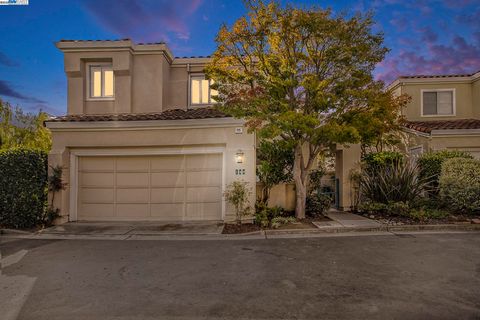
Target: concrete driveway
135,228
435,276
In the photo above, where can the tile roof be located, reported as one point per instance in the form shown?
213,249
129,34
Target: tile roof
421,76
428,126
97,40
171,114
193,57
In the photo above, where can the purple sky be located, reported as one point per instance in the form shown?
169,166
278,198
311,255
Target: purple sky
425,37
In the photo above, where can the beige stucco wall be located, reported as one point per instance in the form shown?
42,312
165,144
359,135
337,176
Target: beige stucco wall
281,195
469,143
148,83
155,138
147,77
347,159
463,100
476,98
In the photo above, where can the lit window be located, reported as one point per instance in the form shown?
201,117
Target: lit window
438,102
200,91
101,81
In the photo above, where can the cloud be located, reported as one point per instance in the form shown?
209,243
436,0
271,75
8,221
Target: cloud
458,57
457,3
145,21
6,61
471,19
427,35
8,91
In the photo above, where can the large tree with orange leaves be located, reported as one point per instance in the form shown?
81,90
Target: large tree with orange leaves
302,75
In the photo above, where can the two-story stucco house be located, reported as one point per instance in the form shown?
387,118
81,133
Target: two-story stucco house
444,112
140,141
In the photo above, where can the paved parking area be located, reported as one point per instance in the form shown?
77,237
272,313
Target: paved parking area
135,228
405,276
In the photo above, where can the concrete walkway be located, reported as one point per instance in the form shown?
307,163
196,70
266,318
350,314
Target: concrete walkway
349,220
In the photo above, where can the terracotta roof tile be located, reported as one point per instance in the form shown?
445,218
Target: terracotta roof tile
193,57
421,76
171,114
97,40
428,126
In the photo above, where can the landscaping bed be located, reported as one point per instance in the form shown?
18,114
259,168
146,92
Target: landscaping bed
232,228
402,220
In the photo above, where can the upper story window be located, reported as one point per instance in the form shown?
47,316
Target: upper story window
200,91
439,102
100,81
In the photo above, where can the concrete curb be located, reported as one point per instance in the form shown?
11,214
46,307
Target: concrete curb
381,228
14,231
263,234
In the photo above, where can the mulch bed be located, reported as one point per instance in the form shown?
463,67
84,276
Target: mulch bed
231,228
399,220
306,223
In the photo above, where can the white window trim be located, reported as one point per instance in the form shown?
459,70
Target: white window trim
454,106
199,105
89,84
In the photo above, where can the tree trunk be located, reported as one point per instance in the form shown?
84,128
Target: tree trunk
300,177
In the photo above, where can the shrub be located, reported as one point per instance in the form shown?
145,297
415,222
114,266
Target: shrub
237,194
317,204
460,184
375,160
399,208
23,187
315,180
55,184
394,182
430,165
265,215
279,221
274,165
403,209
424,214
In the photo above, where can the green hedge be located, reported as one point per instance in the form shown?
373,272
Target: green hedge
460,184
23,187
430,165
374,160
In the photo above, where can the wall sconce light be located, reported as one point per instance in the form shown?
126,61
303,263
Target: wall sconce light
239,156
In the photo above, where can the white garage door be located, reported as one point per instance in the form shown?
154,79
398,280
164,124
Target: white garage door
176,187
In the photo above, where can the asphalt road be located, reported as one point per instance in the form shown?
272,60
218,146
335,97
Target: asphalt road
428,276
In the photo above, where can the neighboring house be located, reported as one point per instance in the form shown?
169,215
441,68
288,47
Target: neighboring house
140,140
444,112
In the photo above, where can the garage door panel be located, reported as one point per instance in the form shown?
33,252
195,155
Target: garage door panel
167,195
97,179
203,161
203,211
97,164
204,178
133,210
132,179
170,211
170,187
95,211
97,195
203,194
133,195
133,164
168,179
165,163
